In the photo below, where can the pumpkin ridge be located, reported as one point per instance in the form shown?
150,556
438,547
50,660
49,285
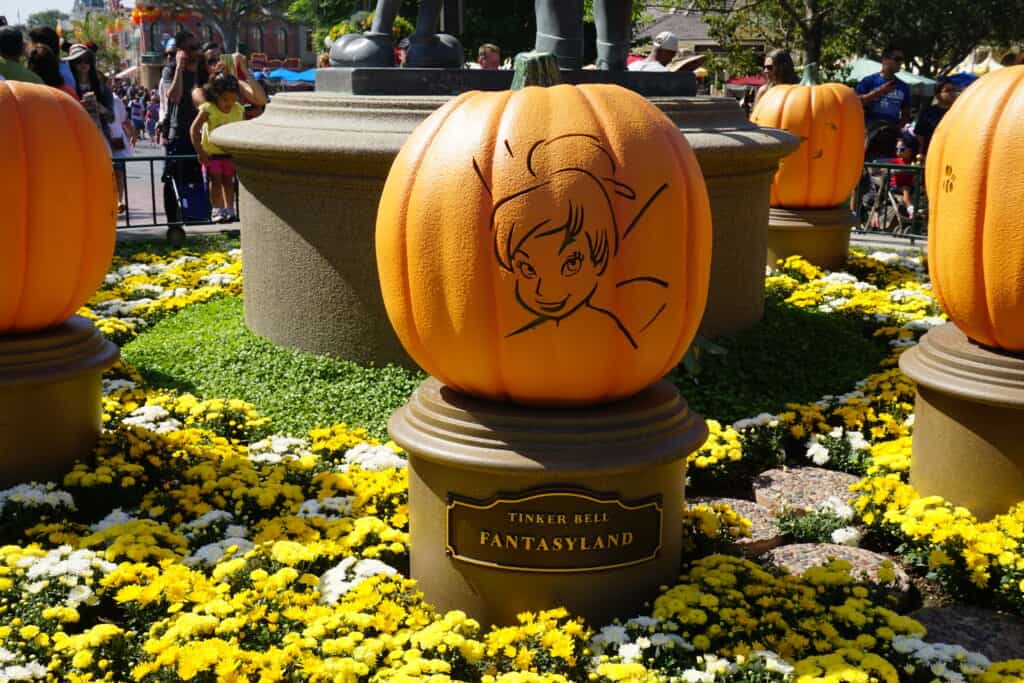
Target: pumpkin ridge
402,223
997,116
614,378
838,106
684,321
85,218
20,221
979,226
496,273
28,198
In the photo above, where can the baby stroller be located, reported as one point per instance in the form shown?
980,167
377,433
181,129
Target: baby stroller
186,200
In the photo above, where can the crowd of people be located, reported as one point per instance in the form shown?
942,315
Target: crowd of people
200,89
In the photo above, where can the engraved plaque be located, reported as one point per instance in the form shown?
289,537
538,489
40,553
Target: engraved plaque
554,530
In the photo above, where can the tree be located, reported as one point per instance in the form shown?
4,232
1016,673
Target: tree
824,30
93,29
227,15
50,17
939,34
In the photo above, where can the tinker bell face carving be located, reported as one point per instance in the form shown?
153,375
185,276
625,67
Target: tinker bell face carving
558,235
557,264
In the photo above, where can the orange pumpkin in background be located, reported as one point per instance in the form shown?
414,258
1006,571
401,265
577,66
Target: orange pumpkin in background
549,245
976,210
59,203
829,120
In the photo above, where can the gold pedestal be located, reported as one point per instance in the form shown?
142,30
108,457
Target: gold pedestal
50,399
516,508
969,422
822,236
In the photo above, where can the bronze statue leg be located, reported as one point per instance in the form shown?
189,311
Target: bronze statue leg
426,47
560,30
373,48
614,29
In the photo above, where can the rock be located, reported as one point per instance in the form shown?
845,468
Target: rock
765,533
801,489
800,557
997,636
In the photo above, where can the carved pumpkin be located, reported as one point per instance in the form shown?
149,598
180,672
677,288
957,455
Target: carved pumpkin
550,245
976,210
59,203
829,120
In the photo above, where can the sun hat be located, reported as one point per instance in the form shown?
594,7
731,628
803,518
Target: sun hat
77,51
666,40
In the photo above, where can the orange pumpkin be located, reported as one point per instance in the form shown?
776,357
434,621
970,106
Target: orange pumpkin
59,204
550,245
829,120
976,210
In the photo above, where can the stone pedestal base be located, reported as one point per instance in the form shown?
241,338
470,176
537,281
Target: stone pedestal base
822,236
969,422
50,399
517,509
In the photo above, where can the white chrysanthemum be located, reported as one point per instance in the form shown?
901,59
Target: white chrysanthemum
374,458
347,574
77,595
173,292
817,452
205,521
34,495
114,518
697,676
339,506
217,279
837,506
154,418
847,535
211,553
771,662
630,653
644,622
112,385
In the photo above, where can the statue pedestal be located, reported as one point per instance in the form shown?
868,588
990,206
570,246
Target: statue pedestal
312,169
822,236
50,399
515,509
969,422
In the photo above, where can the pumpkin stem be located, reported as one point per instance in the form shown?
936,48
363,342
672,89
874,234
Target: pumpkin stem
535,68
810,74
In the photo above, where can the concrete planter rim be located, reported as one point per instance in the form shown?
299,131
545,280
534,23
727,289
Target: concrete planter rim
946,361
73,348
651,428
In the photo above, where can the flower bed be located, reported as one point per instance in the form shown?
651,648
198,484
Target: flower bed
201,545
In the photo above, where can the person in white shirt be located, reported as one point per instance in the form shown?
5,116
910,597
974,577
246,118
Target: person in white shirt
664,51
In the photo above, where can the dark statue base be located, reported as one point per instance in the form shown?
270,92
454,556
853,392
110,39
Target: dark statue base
413,82
518,509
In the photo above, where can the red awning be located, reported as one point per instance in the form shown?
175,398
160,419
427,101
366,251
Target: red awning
747,80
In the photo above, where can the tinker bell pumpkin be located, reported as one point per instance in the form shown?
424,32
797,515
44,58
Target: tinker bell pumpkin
545,245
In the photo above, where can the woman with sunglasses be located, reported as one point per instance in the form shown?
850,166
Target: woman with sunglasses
946,93
778,68
97,99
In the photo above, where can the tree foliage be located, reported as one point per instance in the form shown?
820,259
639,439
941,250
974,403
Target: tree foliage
938,34
49,17
934,34
93,29
227,15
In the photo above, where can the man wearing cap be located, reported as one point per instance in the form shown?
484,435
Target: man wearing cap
12,49
664,51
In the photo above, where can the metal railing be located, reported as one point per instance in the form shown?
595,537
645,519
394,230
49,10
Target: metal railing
881,210
153,213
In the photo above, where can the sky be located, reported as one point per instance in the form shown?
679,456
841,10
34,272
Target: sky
11,8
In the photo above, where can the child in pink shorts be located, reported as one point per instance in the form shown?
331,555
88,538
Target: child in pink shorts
221,107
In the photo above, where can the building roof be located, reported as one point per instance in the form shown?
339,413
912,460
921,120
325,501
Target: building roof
686,24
